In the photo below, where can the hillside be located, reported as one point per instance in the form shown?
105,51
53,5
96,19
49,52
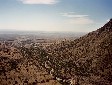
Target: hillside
83,61
87,59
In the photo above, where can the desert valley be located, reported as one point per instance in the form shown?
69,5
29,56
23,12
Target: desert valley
82,59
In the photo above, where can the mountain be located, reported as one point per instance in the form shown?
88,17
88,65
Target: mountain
83,61
88,60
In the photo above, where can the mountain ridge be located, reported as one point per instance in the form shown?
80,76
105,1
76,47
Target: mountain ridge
92,53
83,61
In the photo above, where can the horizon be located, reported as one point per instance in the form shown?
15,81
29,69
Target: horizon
54,15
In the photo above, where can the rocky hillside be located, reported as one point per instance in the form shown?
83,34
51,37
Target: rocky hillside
87,60
84,61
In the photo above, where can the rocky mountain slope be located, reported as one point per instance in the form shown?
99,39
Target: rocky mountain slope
87,59
84,61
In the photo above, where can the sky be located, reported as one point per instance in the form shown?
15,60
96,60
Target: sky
54,15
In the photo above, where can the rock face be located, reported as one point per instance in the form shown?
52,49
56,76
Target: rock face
84,61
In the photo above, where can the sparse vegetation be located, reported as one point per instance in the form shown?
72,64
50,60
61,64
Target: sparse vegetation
83,61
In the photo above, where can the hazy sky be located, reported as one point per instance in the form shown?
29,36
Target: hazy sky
54,15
